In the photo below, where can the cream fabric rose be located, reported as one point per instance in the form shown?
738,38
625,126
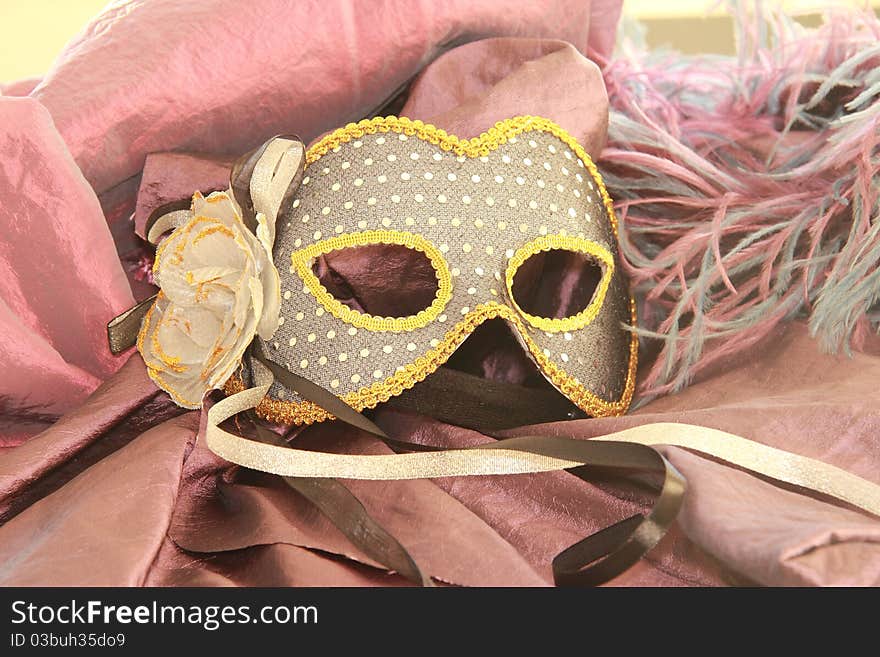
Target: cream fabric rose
219,288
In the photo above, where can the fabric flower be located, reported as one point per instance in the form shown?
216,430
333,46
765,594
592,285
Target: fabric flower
219,288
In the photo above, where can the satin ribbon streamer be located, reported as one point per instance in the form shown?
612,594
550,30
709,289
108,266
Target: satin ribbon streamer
761,459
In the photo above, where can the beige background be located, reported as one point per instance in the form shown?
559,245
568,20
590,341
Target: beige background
32,32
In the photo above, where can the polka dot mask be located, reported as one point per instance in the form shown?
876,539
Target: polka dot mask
478,210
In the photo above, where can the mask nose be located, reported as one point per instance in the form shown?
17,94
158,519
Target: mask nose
488,384
493,352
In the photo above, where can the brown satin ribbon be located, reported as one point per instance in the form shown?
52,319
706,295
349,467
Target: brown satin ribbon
122,331
345,511
598,557
595,559
486,406
347,514
473,402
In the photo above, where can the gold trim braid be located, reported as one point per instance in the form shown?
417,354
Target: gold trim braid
567,243
302,261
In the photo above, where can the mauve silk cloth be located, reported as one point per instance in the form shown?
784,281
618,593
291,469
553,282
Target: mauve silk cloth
103,481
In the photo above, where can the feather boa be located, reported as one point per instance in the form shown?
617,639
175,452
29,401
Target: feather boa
747,189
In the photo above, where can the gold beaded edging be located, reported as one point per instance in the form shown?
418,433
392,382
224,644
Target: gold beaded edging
568,243
276,410
302,261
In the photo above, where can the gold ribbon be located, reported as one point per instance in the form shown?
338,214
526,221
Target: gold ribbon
761,459
289,462
593,560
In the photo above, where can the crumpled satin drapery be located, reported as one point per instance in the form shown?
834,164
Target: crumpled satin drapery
222,76
121,490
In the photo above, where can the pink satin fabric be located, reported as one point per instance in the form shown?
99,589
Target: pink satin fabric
222,76
122,489
60,275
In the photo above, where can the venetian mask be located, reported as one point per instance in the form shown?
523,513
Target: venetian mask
477,210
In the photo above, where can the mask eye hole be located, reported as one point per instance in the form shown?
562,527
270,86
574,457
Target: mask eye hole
349,274
341,274
558,283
